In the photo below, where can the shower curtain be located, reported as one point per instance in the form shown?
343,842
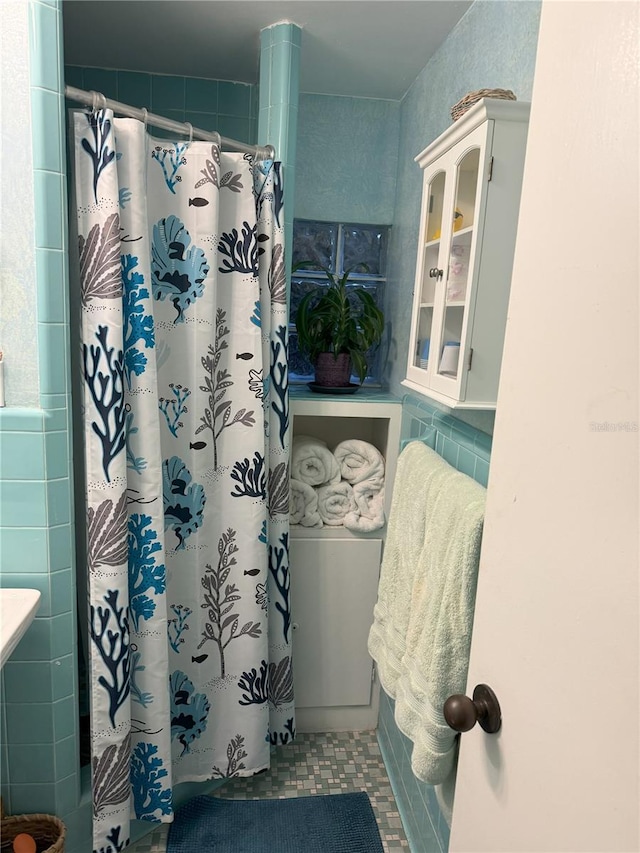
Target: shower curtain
186,430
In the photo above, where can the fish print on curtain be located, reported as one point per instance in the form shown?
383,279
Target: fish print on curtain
186,427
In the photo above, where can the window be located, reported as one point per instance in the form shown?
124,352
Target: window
338,246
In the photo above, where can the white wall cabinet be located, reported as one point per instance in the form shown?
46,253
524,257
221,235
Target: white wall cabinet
334,577
472,178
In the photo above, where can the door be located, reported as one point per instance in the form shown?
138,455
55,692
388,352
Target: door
556,629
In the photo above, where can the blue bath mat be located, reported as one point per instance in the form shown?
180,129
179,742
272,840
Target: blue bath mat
336,823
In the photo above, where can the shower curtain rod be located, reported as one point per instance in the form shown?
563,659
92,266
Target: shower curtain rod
98,101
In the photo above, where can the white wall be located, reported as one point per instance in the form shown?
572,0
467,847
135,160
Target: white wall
17,231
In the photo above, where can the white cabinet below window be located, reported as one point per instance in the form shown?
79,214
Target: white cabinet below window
472,178
334,575
334,587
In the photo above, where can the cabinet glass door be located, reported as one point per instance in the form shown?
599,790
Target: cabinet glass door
427,284
458,276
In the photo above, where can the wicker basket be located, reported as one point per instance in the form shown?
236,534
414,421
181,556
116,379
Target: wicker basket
473,97
48,831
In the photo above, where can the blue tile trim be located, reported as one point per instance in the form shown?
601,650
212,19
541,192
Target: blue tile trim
51,290
38,748
21,420
49,195
43,47
64,712
60,548
46,130
397,787
425,828
67,794
464,447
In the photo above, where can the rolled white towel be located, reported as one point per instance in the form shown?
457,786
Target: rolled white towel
335,500
369,512
312,462
303,505
359,461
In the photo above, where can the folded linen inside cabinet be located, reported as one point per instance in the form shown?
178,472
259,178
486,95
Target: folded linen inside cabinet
369,512
312,462
335,500
359,461
303,504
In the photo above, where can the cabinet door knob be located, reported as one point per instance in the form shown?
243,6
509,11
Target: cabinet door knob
462,713
434,272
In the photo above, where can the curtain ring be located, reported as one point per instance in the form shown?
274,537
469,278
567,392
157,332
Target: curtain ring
145,117
94,102
218,139
190,126
104,101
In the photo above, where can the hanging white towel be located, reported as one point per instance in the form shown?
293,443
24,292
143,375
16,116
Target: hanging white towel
359,461
335,500
303,504
418,475
428,661
369,512
312,462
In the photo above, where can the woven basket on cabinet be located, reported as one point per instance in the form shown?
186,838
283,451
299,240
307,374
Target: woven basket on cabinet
472,98
45,829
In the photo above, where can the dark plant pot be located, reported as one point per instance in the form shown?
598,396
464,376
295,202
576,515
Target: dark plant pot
333,371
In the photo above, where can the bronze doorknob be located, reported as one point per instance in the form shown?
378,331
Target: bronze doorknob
462,713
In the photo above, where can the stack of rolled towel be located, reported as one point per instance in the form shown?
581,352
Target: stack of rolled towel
343,487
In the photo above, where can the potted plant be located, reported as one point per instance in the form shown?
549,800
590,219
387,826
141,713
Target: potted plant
336,327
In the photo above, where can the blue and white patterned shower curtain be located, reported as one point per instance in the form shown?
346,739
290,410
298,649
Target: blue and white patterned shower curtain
184,354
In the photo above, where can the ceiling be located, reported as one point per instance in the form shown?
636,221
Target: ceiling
361,48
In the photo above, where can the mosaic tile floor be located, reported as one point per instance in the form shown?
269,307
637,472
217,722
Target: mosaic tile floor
317,764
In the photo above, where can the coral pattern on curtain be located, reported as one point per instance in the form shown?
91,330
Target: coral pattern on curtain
184,354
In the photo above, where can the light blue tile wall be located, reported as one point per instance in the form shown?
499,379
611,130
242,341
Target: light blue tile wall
39,683
347,159
224,106
463,446
425,827
493,45
278,108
